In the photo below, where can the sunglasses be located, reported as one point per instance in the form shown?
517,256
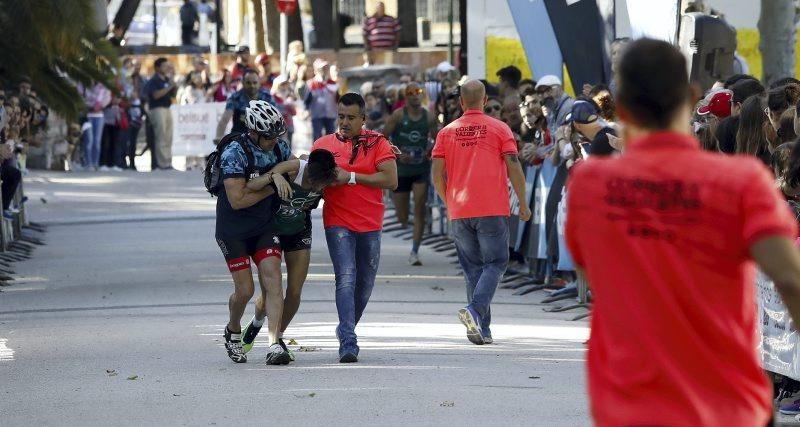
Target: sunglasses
488,109
412,92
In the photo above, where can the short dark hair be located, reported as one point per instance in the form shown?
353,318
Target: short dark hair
783,82
249,71
730,81
160,61
510,74
653,82
527,82
321,166
746,88
783,97
352,98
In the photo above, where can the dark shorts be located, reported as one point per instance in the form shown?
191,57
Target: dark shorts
405,183
300,241
237,252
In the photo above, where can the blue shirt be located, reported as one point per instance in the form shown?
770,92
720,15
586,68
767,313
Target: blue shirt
157,83
254,220
238,103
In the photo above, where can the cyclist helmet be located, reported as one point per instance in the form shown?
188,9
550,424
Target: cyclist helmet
264,119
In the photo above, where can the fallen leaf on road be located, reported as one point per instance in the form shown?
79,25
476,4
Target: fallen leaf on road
308,349
133,377
110,371
437,288
534,377
292,342
175,394
312,394
447,404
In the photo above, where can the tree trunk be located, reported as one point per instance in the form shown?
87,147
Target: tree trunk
777,27
258,21
273,26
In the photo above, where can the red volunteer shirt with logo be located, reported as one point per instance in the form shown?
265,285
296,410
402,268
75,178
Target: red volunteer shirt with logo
357,207
473,148
663,233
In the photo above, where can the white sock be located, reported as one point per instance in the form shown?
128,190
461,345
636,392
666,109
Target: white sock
280,335
258,323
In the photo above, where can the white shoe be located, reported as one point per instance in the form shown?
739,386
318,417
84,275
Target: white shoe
116,169
413,259
104,169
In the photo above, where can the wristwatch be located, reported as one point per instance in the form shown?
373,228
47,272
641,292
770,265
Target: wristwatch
352,179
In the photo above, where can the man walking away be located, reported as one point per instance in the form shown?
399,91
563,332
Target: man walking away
159,91
473,159
667,234
353,215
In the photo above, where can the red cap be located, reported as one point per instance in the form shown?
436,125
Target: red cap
262,58
717,103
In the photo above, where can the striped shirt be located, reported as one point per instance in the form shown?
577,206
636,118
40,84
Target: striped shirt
381,33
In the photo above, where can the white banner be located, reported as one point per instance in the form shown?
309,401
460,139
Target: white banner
778,346
194,128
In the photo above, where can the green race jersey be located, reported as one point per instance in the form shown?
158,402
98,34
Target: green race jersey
411,137
290,218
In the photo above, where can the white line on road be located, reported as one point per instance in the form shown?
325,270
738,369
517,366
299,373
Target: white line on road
6,354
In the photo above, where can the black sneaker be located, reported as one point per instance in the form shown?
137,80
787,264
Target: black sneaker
286,349
348,358
233,343
276,355
249,334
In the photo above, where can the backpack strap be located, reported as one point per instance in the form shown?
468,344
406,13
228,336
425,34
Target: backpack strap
251,159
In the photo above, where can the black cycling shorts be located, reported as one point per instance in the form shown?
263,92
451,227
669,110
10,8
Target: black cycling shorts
237,252
300,241
405,183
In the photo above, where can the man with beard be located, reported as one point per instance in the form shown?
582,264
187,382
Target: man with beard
238,102
555,103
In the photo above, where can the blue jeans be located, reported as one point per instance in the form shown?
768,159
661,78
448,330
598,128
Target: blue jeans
482,246
91,142
323,122
355,258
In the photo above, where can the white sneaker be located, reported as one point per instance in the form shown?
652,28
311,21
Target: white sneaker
104,169
116,169
413,259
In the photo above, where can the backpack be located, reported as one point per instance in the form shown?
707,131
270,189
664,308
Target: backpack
212,175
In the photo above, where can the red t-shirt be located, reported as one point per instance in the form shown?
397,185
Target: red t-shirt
473,148
357,207
663,233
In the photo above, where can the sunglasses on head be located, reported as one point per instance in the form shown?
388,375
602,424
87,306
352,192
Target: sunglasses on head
412,92
489,108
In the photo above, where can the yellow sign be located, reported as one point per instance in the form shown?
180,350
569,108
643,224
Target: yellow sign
503,51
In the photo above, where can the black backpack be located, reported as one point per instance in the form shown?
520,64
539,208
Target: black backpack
212,175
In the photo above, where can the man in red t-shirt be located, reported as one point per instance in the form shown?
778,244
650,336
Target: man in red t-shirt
473,159
353,214
667,235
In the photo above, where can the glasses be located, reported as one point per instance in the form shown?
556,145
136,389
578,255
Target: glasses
488,109
412,92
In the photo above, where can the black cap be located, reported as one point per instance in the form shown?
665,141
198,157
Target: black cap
583,112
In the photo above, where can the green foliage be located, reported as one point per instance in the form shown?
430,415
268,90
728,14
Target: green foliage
53,42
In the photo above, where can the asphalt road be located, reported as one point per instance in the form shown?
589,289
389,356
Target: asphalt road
118,320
